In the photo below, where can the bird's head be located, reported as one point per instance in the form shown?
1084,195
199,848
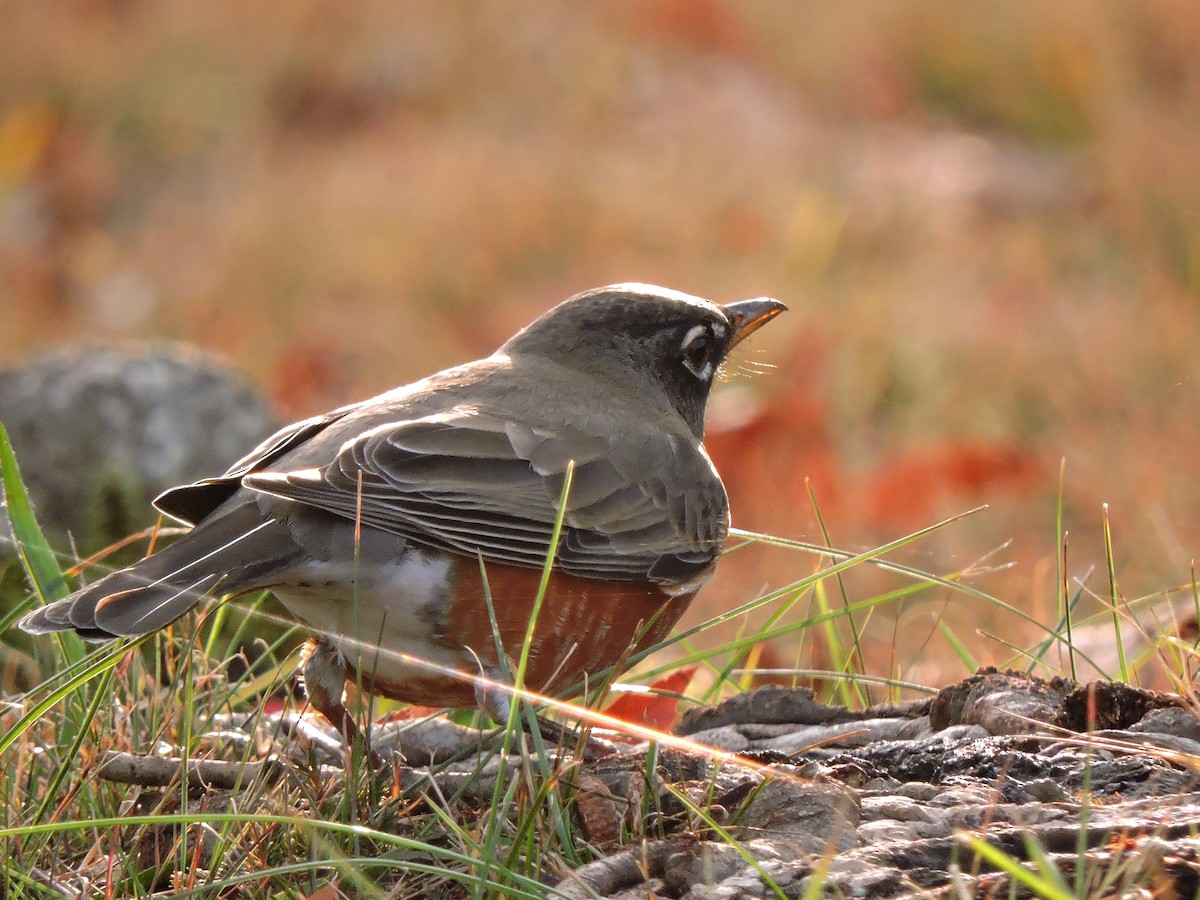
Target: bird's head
641,337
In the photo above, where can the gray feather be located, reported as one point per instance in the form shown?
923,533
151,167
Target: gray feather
226,553
471,483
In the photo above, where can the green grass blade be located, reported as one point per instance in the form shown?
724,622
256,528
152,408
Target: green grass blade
959,648
106,662
60,773
521,886
1041,886
32,548
1114,599
1061,541
855,661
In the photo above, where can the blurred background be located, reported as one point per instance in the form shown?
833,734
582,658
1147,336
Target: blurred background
985,219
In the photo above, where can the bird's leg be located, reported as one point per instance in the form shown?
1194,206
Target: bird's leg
497,703
492,699
323,673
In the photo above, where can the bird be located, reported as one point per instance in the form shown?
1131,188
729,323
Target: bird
397,528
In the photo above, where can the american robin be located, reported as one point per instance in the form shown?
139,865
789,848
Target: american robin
386,526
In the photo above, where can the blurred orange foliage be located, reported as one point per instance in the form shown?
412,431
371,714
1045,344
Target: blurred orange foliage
655,706
983,217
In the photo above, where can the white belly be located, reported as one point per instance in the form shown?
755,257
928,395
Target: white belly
387,625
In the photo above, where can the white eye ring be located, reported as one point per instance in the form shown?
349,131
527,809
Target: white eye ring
702,371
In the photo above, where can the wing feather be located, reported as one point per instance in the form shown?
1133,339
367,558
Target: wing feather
474,483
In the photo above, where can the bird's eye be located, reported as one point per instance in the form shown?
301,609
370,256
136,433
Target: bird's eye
697,349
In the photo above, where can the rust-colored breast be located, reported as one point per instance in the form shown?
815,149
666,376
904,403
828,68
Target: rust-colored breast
583,626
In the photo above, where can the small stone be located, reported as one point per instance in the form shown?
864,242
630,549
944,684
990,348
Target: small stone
902,809
918,790
815,816
1171,720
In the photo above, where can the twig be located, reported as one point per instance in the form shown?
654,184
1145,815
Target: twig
160,771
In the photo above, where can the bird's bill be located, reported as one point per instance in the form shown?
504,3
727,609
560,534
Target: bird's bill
747,316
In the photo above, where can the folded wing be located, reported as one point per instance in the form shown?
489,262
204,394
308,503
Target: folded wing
478,484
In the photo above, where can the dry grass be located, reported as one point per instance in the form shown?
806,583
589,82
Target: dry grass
986,221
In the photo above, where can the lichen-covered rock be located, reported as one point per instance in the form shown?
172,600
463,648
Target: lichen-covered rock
99,431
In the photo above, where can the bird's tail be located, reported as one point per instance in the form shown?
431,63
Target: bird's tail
220,556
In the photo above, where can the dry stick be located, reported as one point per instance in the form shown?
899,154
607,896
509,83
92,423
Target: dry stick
474,782
161,771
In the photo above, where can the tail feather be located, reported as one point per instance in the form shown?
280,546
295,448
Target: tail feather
221,555
56,614
79,611
142,610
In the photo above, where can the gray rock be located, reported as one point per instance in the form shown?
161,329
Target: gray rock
99,432
856,878
1000,702
886,818
787,706
1171,720
901,809
814,816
